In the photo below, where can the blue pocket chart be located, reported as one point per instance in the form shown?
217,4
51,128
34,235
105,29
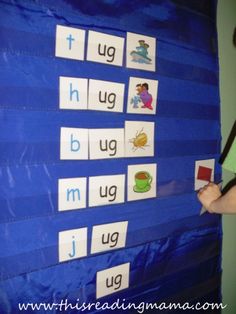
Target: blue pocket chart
105,108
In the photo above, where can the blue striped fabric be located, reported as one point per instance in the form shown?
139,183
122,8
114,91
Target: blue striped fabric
174,253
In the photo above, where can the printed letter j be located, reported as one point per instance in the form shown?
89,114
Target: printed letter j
72,254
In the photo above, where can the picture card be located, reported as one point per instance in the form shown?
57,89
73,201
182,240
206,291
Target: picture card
109,236
106,143
72,244
112,280
140,52
70,42
142,96
105,48
139,138
73,93
204,173
71,193
141,181
106,190
73,144
106,96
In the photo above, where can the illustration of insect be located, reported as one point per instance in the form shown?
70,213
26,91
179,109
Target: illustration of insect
139,141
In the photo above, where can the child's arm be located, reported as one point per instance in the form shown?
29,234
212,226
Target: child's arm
212,199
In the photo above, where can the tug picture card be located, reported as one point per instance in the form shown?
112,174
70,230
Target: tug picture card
140,52
142,96
139,138
204,173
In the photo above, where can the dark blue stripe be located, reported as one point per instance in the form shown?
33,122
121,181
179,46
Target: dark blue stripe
204,290
186,72
157,220
185,148
158,290
24,189
181,55
38,127
182,110
181,249
43,46
47,99
14,41
37,138
40,79
157,18
16,180
29,100
170,247
36,153
28,207
207,8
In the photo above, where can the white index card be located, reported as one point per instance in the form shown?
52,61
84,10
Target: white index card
70,42
112,280
73,93
106,190
139,138
71,193
105,48
106,96
106,143
109,236
72,244
73,144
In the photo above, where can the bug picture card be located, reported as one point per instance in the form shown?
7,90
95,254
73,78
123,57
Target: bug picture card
142,96
139,138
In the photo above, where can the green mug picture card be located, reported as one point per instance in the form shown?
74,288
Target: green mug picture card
141,181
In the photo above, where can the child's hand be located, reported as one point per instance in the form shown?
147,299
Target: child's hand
208,194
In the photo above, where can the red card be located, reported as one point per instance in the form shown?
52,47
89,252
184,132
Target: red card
204,173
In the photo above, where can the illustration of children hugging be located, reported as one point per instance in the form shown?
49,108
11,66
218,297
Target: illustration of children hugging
135,100
142,96
146,97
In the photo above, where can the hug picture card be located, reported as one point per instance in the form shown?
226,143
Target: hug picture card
142,96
